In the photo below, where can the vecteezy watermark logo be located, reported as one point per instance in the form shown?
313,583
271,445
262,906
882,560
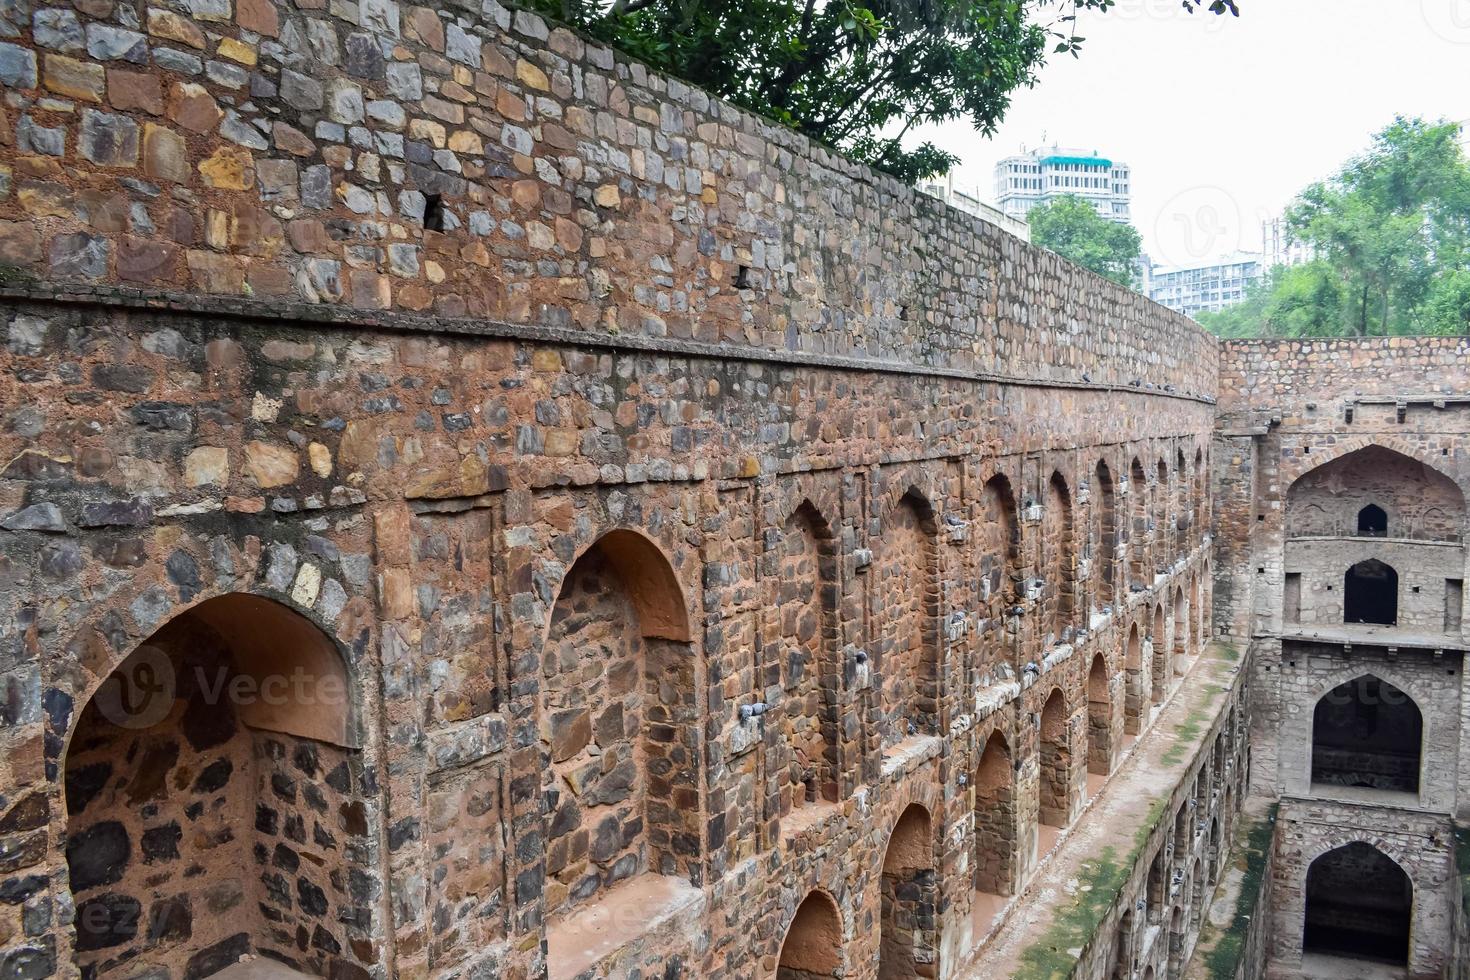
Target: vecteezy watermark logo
1199,223
1449,19
141,692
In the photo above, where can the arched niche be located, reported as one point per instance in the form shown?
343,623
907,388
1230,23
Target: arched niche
1329,499
812,949
1367,734
618,714
1058,560
1372,522
1136,682
1056,762
1359,905
1104,534
216,807
1099,719
995,818
909,899
905,588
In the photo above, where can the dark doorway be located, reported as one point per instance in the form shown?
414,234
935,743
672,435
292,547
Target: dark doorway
1359,905
1370,593
1372,522
1367,733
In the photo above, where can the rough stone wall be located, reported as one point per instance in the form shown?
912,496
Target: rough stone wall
469,161
1421,844
437,303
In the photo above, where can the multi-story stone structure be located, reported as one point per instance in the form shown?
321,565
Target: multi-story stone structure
472,507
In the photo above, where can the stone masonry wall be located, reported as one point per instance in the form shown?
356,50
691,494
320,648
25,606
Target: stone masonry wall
468,161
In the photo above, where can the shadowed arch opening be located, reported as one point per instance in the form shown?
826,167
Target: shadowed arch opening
1372,522
1161,518
225,735
1201,494
1056,762
618,718
1370,593
1000,540
1183,510
1416,500
995,818
1058,560
1359,904
1138,525
1160,660
1104,534
1136,696
907,946
812,949
1099,719
1367,733
1181,632
908,595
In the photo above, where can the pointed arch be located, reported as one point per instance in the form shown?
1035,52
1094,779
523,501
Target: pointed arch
1099,718
907,591
812,947
1000,540
1182,631
1367,733
995,818
1327,498
1201,494
1138,525
909,899
1136,698
1058,560
1370,593
1159,665
804,766
180,759
617,696
1359,905
1055,805
1104,535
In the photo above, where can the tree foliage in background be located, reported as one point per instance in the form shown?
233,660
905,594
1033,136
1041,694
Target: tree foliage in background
853,74
1391,236
1074,230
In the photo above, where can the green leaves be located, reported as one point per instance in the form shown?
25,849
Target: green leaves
1074,230
857,75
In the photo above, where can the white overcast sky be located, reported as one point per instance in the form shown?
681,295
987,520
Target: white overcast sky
1224,120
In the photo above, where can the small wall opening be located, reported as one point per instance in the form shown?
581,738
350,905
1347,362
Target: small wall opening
1104,534
1359,905
1056,763
1099,719
1370,593
909,900
1372,522
812,949
995,818
1368,734
215,807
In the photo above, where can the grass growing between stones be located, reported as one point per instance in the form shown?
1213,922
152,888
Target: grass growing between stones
1252,847
1099,883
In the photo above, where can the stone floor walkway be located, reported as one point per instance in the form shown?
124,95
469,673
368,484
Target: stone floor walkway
1035,925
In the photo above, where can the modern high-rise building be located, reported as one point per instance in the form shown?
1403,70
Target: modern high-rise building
1035,177
1208,286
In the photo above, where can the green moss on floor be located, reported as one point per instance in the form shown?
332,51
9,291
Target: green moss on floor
1185,733
1251,847
1053,955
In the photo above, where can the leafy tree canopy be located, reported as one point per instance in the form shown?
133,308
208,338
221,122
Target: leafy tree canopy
854,74
1391,235
1074,230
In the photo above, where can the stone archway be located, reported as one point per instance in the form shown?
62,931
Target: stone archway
1055,805
908,611
1359,905
1105,535
995,818
1136,696
1160,660
1099,719
1058,561
1181,633
812,949
619,723
1367,733
909,901
216,801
